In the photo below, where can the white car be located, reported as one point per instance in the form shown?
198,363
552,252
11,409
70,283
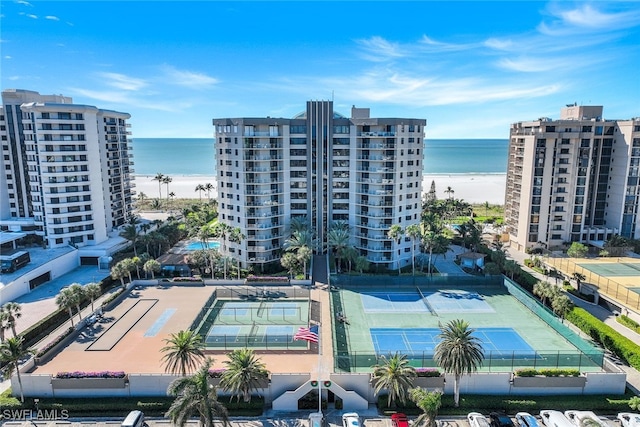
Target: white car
628,419
582,418
525,419
552,418
476,419
350,419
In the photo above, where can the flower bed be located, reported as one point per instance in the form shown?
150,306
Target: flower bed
41,352
216,373
91,374
543,378
266,279
187,279
428,372
548,372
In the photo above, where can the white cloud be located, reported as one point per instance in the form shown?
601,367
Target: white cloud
121,81
24,3
7,57
585,17
29,15
437,46
52,18
378,49
189,79
119,98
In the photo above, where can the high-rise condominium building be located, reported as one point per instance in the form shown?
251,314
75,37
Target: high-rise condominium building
325,167
66,172
575,179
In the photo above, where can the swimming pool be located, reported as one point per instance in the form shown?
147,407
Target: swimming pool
196,246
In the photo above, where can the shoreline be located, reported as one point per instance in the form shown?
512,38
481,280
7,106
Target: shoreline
470,187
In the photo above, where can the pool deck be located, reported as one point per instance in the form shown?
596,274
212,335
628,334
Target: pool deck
137,351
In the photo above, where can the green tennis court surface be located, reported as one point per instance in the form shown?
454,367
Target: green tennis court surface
266,324
611,269
407,320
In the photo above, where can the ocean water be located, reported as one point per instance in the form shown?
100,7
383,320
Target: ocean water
196,156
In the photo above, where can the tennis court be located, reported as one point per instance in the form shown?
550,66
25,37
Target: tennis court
422,341
613,269
514,332
266,324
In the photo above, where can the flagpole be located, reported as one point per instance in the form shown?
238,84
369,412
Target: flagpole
319,375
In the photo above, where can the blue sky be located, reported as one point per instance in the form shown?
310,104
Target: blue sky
469,68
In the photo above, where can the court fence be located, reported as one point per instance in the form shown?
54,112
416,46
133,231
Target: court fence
424,282
591,351
605,285
254,341
493,361
258,292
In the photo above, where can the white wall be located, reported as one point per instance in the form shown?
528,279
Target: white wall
58,266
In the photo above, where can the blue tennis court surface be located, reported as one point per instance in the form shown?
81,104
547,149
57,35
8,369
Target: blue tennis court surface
414,341
284,309
236,309
160,322
392,302
456,301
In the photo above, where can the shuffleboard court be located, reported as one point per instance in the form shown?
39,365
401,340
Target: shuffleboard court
422,341
120,327
159,323
613,269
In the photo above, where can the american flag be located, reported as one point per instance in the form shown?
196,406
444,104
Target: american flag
307,334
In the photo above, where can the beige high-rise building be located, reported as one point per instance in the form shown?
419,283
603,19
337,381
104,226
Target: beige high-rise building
574,179
67,174
320,165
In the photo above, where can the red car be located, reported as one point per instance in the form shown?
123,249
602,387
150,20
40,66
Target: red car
399,420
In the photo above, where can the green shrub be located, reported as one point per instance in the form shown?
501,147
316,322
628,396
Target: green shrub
629,323
548,372
606,336
587,297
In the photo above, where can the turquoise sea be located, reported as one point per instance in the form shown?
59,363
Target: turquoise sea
196,156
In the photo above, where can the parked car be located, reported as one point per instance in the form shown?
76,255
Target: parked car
399,420
500,419
552,418
584,419
525,419
628,419
476,419
350,419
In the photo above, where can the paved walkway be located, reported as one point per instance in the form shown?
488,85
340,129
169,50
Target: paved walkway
445,263
609,318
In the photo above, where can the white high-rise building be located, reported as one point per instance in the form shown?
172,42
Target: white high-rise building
576,179
326,167
66,174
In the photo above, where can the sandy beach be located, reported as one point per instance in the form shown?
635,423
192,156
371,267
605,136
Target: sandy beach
472,188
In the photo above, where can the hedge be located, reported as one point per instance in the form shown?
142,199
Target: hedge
606,336
548,372
511,404
629,323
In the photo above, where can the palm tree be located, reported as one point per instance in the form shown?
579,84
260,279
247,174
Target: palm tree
93,291
561,306
543,290
236,236
11,352
395,375
299,223
222,231
160,178
429,402
413,232
338,239
78,293
200,188
12,313
208,187
130,233
183,352
243,373
166,181
3,324
394,233
152,266
579,278
66,300
458,352
298,241
194,396
449,192
118,272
